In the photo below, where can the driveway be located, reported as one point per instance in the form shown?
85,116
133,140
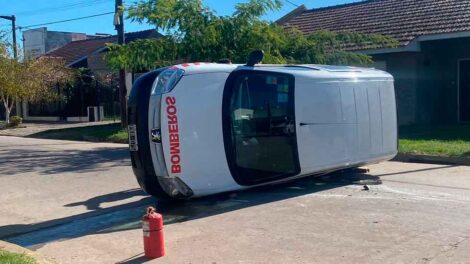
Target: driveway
79,203
50,182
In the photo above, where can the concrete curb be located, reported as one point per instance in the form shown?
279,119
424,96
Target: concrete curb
432,159
5,246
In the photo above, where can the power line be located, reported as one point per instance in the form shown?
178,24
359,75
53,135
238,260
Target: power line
79,4
290,2
67,20
6,33
57,8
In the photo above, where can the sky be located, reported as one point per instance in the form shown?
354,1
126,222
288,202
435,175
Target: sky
33,12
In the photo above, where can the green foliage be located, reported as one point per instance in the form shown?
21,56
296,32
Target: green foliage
15,121
254,9
196,33
3,44
30,81
15,258
142,54
6,48
436,140
3,50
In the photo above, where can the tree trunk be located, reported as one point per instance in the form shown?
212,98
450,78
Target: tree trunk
8,105
7,109
10,108
7,115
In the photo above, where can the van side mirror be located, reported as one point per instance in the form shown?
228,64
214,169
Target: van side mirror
255,57
224,61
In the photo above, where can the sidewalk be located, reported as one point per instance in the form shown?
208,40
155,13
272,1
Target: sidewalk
421,158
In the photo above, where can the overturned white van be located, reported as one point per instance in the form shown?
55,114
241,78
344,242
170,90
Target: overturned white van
203,128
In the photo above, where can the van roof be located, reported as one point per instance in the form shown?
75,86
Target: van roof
207,67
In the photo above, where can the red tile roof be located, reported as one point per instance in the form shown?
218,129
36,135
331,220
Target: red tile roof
403,20
77,50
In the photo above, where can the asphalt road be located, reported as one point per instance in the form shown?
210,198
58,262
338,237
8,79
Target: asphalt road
79,203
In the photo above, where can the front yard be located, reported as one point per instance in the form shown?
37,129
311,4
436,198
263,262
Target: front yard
436,140
97,133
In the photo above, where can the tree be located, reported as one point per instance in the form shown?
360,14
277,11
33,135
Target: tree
196,33
3,45
3,50
30,81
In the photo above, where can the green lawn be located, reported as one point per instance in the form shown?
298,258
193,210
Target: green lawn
99,133
15,258
436,140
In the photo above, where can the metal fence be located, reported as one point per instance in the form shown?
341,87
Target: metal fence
77,98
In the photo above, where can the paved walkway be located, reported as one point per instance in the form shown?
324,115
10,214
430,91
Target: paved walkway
28,129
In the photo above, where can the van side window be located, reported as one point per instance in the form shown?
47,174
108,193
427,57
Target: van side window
262,126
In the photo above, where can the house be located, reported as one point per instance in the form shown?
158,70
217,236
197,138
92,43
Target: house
89,53
431,64
86,53
39,41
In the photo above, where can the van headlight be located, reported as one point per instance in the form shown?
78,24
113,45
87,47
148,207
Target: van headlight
175,187
166,81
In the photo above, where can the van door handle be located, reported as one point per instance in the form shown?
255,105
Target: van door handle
306,124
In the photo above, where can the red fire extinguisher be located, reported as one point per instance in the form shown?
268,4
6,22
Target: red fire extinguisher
152,225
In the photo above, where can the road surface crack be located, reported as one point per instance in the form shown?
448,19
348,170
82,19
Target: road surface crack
449,248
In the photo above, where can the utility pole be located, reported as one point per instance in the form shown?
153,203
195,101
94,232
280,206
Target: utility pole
13,30
119,25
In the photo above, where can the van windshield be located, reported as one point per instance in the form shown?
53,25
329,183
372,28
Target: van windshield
261,127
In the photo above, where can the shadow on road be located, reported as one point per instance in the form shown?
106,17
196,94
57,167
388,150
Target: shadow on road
137,259
67,225
95,202
127,216
15,160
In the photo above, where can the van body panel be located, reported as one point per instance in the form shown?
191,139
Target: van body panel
344,117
